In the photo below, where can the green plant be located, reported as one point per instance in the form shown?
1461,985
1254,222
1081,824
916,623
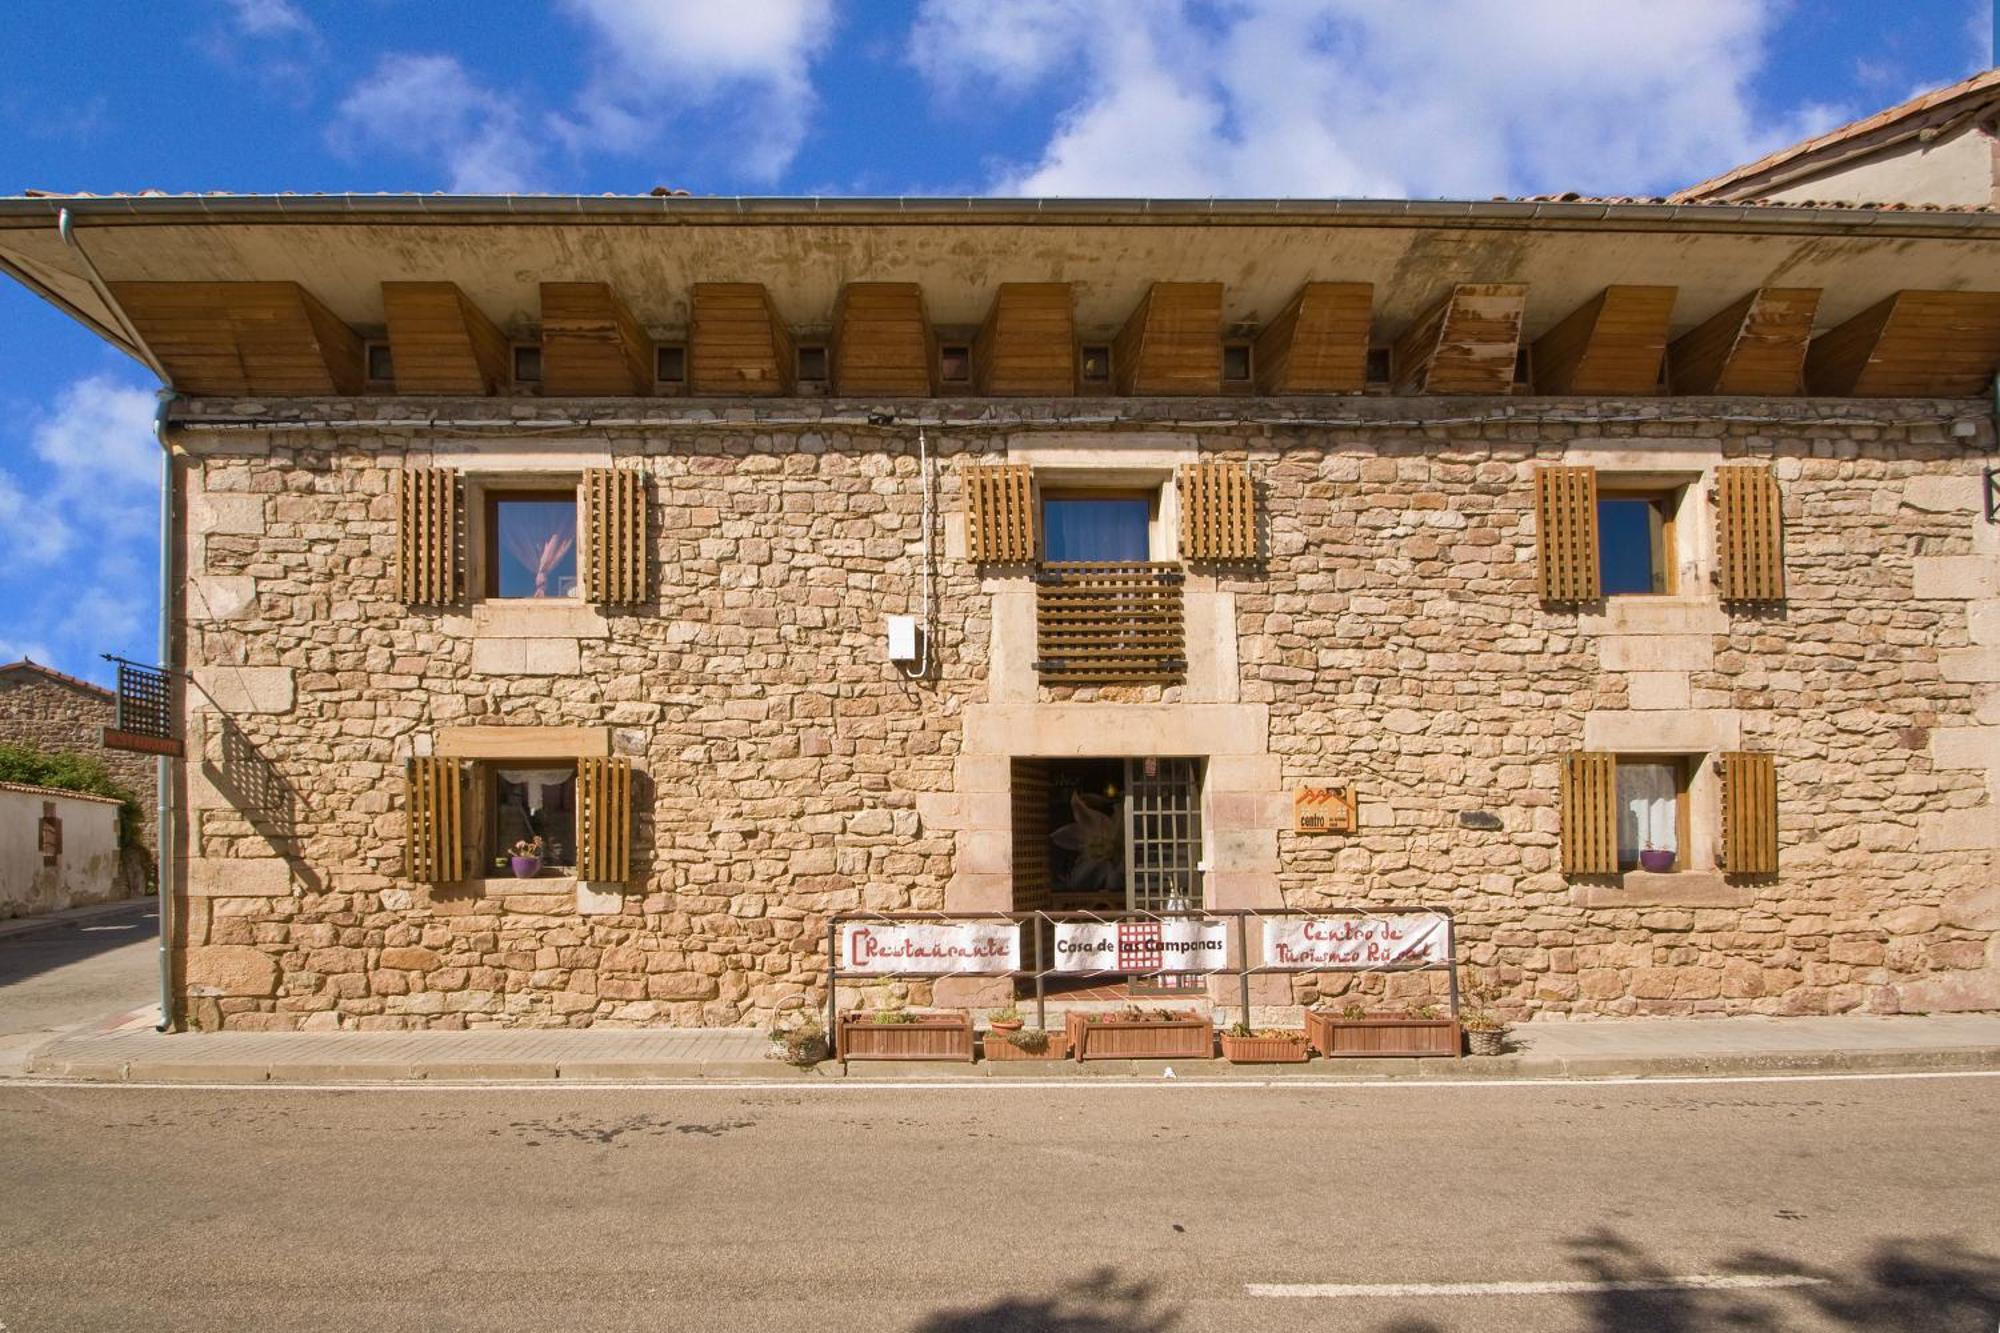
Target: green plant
1238,1029
1424,1011
71,772
1032,1040
886,1016
1010,1014
1353,1013
1478,995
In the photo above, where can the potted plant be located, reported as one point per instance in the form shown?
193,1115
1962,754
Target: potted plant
1485,1031
797,1035
1655,860
1355,1032
1133,1033
526,858
895,1033
1006,1020
1025,1043
1241,1045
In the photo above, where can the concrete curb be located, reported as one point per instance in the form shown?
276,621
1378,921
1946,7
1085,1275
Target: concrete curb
45,1062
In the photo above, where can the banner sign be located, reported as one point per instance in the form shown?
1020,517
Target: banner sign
1356,943
930,948
1180,944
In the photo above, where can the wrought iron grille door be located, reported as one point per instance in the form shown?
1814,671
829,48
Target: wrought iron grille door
1163,835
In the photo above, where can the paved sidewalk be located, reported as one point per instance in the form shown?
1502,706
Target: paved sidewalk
128,1050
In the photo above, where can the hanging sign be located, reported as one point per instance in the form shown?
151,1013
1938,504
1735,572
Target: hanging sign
930,948
1356,943
1180,944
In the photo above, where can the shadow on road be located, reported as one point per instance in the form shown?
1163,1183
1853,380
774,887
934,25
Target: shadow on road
1100,1303
33,952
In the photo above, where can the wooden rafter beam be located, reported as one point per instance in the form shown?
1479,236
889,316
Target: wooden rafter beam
882,341
1319,342
1172,343
1915,344
1466,343
736,342
441,342
591,345
1611,344
1027,345
1756,345
259,338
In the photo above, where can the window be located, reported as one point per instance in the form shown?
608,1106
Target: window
528,801
531,543
1653,812
1635,542
670,364
527,365
812,364
1097,525
1097,365
955,364
381,365
1236,363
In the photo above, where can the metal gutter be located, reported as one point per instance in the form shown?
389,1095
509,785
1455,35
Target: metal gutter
170,209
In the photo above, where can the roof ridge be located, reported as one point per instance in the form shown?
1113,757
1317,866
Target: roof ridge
30,664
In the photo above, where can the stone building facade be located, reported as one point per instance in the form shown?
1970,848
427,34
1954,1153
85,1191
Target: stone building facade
61,714
1392,639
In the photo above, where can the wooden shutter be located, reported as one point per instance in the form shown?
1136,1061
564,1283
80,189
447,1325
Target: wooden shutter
429,570
604,820
1750,544
1566,532
434,847
1218,513
616,533
1000,507
1749,813
1589,813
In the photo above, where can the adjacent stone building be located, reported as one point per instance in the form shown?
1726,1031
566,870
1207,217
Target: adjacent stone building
62,714
1631,565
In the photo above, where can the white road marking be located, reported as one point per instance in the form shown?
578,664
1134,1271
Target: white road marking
1393,1290
1104,1084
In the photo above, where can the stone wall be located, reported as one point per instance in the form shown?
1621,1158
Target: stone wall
788,770
65,718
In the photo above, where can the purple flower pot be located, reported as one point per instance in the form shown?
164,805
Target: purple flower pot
1656,862
526,867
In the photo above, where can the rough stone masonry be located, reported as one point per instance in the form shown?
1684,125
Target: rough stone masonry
1392,639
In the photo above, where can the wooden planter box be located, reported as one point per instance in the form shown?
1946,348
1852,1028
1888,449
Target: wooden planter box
1186,1037
1292,1049
932,1036
997,1047
1381,1036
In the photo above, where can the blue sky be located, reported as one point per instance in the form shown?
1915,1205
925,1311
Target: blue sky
1409,98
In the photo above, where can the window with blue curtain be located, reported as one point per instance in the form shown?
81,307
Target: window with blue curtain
1096,528
1631,554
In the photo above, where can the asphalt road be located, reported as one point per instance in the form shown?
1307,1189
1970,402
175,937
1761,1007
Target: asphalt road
1094,1209
74,972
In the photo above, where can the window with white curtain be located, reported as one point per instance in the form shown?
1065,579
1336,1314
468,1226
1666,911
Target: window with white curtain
1651,801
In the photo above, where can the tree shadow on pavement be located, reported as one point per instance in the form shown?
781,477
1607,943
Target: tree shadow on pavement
1100,1303
30,953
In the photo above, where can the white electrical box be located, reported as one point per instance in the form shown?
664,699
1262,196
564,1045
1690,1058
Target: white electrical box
902,638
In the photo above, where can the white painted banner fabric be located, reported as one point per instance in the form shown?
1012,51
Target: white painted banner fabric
1356,943
1180,944
930,948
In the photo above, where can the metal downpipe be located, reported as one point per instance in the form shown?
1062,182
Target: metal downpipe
163,873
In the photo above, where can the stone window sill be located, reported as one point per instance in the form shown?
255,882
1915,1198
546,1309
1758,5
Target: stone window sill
506,884
1676,888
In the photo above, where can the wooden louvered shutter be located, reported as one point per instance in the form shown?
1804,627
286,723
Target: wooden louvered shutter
429,570
1000,507
433,806
1566,531
1749,813
604,820
1589,813
616,530
1750,535
1218,513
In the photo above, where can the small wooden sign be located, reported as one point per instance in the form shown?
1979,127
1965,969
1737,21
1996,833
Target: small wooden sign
1323,810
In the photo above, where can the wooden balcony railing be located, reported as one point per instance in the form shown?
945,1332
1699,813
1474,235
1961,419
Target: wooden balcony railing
1107,622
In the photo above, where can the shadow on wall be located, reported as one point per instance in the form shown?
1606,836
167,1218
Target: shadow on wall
261,794
1100,1303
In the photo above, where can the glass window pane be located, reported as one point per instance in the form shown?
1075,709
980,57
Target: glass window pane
1648,809
1630,559
535,803
535,544
1096,529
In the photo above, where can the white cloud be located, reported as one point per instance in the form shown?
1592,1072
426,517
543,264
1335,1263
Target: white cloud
1459,98
271,18
429,108
78,523
750,61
